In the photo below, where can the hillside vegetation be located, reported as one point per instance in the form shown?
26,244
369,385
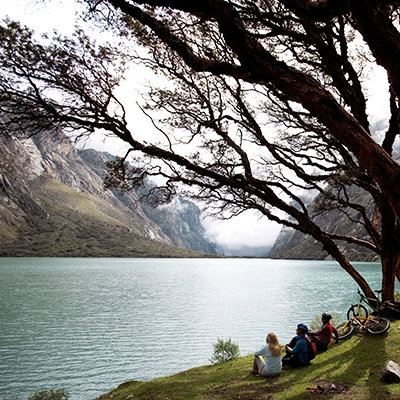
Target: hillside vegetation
81,225
52,204
348,370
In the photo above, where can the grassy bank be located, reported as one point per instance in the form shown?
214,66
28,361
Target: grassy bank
348,370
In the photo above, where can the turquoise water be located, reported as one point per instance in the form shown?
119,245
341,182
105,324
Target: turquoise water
91,324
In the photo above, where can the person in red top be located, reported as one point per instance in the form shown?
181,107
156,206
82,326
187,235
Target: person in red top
323,336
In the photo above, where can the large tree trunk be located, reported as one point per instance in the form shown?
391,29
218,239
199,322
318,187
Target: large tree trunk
390,251
389,266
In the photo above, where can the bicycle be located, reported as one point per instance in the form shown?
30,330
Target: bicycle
360,310
358,316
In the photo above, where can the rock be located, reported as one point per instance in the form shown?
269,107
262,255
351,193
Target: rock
53,204
391,373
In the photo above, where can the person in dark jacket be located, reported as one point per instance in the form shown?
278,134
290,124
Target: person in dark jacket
297,349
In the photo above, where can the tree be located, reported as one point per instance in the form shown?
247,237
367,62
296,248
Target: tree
235,68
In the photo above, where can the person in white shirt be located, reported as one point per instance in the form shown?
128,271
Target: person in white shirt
272,366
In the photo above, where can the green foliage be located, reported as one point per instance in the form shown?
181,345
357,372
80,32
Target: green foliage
52,394
397,296
225,351
316,321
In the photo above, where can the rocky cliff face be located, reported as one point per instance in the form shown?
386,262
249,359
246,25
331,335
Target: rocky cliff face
295,245
179,221
53,204
292,244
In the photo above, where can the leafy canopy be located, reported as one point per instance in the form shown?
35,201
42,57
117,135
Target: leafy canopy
265,99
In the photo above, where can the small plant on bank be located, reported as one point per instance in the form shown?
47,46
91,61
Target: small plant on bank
225,350
52,394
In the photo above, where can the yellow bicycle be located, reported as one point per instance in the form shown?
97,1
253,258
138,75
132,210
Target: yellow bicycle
358,316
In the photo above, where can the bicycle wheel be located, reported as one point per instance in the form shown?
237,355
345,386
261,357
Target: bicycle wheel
357,311
345,329
378,325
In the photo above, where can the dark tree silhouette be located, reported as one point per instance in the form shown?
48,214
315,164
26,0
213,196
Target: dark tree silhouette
235,70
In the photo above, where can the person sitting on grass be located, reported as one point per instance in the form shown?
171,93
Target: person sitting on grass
297,349
272,366
323,336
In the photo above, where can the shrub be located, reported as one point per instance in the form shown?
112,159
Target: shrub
52,394
225,351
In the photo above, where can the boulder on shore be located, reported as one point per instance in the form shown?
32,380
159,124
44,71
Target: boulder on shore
391,373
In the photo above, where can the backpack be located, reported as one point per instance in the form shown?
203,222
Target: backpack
311,348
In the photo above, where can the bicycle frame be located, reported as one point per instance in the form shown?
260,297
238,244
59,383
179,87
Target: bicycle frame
373,325
361,321
368,300
359,309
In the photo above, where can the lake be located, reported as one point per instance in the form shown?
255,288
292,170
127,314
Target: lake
92,324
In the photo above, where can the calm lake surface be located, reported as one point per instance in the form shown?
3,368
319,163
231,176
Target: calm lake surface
92,324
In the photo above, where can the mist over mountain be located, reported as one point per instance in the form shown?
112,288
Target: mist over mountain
247,251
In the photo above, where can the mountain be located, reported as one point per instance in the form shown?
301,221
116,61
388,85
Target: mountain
291,244
179,220
53,204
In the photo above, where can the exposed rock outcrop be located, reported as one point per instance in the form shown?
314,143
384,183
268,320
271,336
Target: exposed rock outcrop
291,244
53,204
179,220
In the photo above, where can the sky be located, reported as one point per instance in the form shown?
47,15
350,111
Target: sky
248,229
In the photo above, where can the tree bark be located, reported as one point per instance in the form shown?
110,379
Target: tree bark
390,256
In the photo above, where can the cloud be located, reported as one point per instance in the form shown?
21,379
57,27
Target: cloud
42,16
245,230
99,142
378,95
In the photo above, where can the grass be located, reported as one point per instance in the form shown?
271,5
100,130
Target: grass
353,366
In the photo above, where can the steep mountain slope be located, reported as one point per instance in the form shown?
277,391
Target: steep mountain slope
295,245
179,220
291,244
53,204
